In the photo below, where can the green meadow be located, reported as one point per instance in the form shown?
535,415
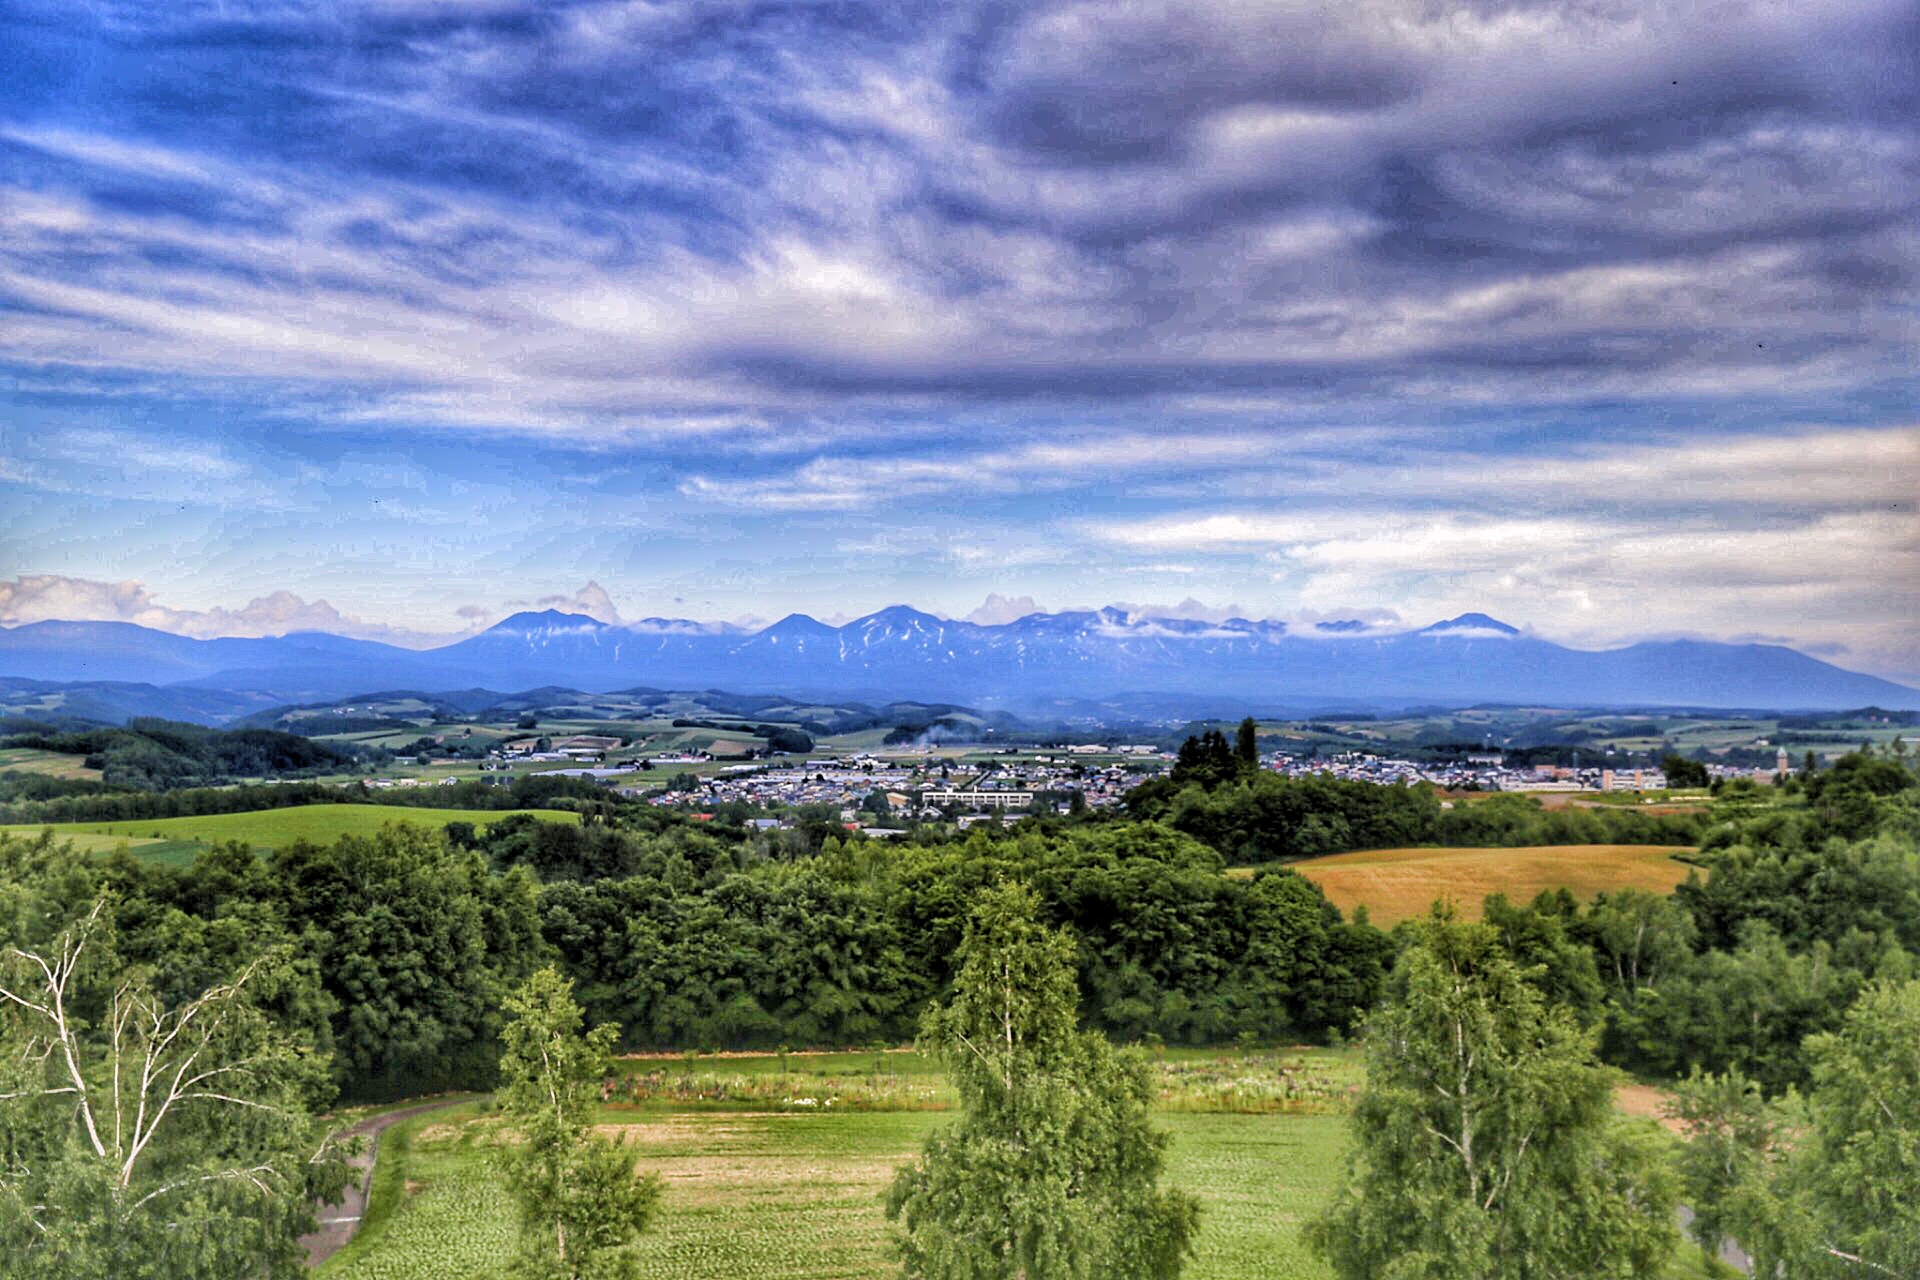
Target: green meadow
773,1194
764,1179
179,839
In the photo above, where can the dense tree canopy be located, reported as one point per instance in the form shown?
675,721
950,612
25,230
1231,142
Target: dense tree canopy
1052,1169
416,944
1486,1145
162,755
850,945
1253,817
142,1137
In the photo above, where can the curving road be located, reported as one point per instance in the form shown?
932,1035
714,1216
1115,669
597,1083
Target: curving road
338,1222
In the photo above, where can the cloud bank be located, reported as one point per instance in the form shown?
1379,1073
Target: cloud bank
51,597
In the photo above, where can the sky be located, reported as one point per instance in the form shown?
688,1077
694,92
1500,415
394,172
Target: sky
391,318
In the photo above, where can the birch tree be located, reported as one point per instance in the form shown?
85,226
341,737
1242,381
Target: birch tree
580,1204
1052,1169
1858,1172
1825,1187
1486,1147
139,1140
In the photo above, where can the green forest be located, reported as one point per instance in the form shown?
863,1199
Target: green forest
380,968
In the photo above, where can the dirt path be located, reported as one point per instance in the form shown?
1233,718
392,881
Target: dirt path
1650,1102
338,1222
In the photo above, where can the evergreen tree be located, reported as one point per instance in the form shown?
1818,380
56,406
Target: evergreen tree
1246,746
1052,1170
580,1204
1486,1147
1206,760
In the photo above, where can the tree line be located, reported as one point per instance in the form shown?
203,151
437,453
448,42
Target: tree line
1218,793
405,940
30,799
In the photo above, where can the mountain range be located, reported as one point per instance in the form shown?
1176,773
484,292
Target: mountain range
900,652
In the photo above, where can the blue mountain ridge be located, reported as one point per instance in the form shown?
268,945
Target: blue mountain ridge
900,652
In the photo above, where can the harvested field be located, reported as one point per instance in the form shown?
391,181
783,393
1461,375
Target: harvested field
1398,884
47,764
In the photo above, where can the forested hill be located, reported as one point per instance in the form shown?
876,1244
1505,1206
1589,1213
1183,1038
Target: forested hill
162,755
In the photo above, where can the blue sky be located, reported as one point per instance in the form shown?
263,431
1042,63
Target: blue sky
394,317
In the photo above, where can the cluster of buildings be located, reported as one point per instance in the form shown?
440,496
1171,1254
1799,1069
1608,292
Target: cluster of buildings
914,787
1490,772
583,747
924,783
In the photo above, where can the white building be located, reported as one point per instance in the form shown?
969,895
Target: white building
979,799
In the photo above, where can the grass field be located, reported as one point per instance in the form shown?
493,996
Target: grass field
1298,1080
1398,884
178,839
799,1196
788,1196
50,764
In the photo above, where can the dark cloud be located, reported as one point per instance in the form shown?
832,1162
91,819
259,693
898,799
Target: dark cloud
1097,83
984,202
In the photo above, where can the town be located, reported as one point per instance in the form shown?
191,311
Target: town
883,792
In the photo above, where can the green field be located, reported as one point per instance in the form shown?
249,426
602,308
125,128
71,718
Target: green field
1297,1080
785,1196
178,839
780,1195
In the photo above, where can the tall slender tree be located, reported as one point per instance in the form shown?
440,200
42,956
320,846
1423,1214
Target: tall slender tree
1730,1165
1052,1170
580,1204
1246,746
1485,1144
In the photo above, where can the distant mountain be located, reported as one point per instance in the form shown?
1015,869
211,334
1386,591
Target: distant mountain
902,653
1467,623
109,702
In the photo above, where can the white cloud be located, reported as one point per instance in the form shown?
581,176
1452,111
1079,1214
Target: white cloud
998,610
591,600
1849,468
126,450
53,597
849,482
1189,609
1812,535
